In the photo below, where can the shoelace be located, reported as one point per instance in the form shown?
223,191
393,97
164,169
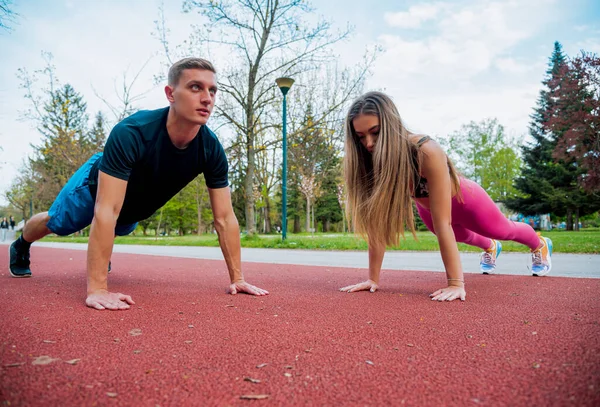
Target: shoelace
536,258
486,258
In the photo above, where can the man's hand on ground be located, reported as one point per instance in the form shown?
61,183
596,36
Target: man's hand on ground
102,299
244,287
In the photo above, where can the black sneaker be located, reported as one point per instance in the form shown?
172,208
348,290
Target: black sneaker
109,266
19,262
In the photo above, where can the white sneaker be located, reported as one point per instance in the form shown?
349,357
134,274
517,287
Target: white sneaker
487,261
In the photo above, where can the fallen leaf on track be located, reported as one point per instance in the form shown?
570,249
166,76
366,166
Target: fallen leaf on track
368,362
43,360
111,394
251,380
72,361
135,332
254,396
47,341
261,365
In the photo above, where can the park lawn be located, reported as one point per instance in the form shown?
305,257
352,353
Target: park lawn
584,241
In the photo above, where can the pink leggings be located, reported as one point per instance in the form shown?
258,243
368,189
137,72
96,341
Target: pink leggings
477,220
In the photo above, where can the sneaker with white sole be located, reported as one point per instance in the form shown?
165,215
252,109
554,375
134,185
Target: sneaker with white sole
487,261
18,262
541,262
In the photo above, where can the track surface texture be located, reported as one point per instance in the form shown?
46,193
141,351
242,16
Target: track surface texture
516,341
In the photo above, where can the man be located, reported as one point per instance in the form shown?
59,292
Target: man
148,158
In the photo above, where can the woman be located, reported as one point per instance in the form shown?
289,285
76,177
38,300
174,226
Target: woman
4,228
386,166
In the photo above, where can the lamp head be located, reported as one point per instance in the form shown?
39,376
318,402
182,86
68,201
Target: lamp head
284,84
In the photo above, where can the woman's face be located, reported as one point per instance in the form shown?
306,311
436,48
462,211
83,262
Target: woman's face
366,128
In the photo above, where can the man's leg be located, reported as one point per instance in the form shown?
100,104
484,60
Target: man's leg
36,228
72,210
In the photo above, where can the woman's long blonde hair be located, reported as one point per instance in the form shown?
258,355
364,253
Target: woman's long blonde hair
379,185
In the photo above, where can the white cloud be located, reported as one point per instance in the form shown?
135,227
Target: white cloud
511,65
464,67
414,17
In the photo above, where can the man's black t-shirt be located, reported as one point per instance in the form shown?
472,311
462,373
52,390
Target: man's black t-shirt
140,151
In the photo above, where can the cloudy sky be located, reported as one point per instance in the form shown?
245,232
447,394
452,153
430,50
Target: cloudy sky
445,63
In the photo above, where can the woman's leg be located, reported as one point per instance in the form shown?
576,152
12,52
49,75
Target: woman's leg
461,234
479,214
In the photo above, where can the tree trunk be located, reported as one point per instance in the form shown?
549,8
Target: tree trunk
249,186
576,225
569,219
297,224
268,216
159,221
307,215
199,210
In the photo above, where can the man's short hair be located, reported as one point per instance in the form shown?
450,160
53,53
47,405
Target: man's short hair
188,63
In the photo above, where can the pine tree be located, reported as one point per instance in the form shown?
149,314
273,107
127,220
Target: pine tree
540,175
96,138
65,146
549,183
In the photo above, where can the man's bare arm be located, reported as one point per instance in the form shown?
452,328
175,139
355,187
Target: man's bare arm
109,200
228,230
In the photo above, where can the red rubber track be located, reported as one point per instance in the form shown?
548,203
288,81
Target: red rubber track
516,341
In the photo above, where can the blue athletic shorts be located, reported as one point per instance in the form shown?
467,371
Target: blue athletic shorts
73,208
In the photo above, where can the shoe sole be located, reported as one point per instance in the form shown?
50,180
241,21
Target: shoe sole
544,273
10,271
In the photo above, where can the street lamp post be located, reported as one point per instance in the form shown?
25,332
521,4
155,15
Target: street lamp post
284,85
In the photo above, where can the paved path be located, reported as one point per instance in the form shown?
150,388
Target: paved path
564,265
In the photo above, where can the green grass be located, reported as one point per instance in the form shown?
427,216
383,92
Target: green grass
584,241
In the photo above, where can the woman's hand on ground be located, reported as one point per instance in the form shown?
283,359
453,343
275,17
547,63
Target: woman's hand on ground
244,287
449,294
364,286
102,299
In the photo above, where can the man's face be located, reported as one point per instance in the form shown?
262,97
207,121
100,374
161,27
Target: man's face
193,98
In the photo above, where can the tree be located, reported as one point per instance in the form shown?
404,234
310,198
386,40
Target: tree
97,135
576,117
65,145
313,154
127,100
7,15
60,115
267,176
262,39
189,210
21,193
328,210
483,153
548,183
